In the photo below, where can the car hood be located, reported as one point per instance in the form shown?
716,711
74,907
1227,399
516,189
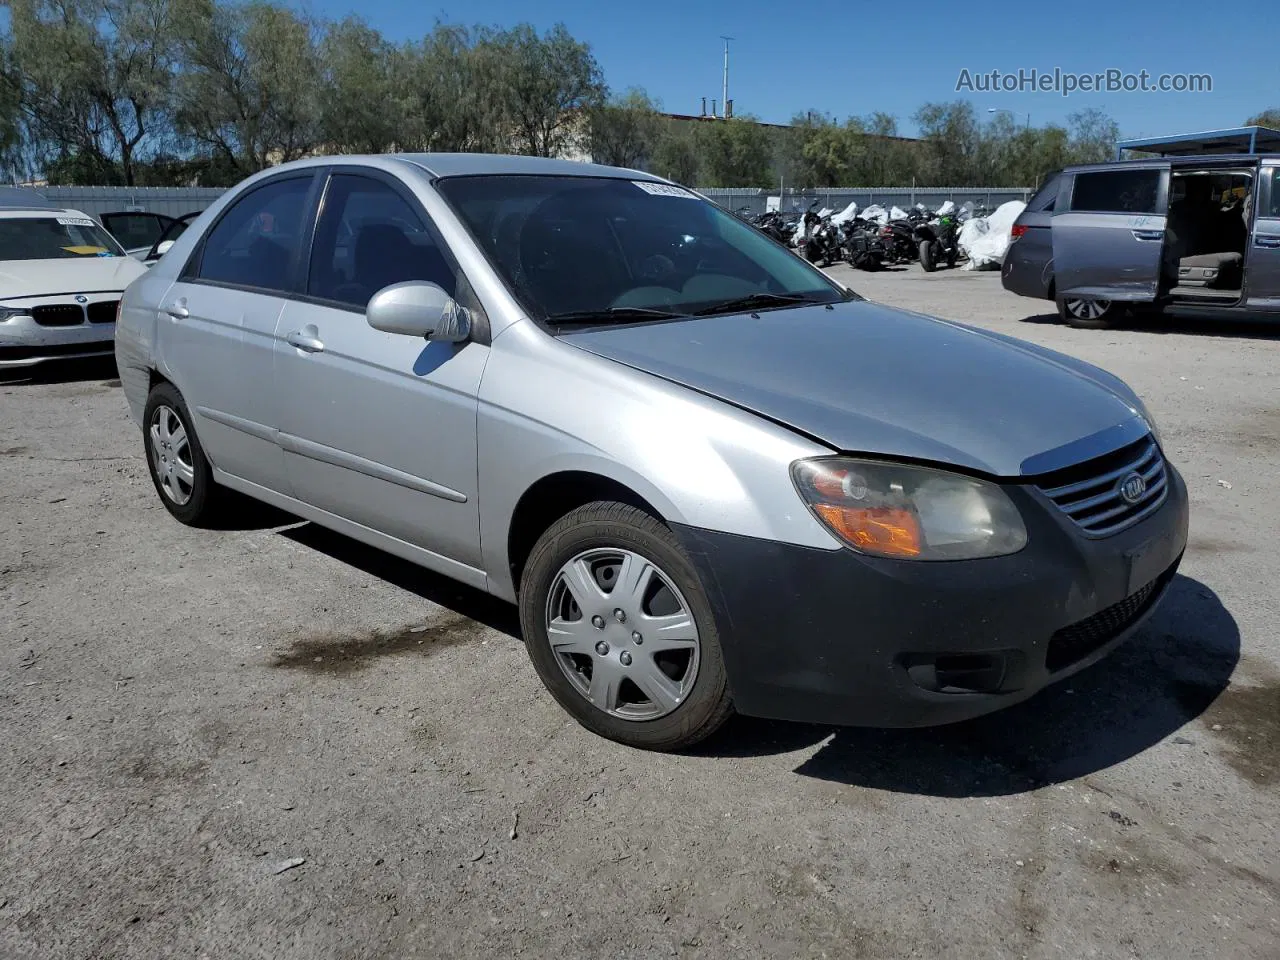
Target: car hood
863,378
42,278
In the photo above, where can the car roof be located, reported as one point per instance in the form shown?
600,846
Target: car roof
1239,159
40,213
476,164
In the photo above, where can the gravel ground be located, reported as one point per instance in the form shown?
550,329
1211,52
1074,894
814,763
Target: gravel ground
269,741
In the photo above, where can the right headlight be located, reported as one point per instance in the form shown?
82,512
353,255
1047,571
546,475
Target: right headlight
8,313
908,512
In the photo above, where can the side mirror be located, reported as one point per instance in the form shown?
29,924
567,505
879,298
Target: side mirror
163,247
418,309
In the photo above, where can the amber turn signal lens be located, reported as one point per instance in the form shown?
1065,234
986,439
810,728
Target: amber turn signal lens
887,531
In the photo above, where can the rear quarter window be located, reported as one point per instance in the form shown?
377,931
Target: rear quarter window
1044,198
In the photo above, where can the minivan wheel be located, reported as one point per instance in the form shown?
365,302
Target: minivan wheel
1087,314
620,630
178,466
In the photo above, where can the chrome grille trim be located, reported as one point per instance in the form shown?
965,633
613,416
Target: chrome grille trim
1095,504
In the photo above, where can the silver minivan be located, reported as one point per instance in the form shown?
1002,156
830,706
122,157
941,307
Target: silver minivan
1198,235
712,478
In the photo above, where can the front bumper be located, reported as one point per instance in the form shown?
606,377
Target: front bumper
838,637
24,342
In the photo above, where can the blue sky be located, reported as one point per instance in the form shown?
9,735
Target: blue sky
856,57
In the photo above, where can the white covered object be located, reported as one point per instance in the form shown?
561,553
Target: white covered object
877,213
987,251
945,209
847,214
897,213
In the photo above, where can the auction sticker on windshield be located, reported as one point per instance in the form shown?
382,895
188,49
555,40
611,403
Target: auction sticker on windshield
76,222
663,189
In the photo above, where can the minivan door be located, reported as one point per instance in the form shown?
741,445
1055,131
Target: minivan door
1262,269
1108,232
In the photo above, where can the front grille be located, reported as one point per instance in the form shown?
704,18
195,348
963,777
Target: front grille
1089,493
104,312
1073,643
57,350
58,315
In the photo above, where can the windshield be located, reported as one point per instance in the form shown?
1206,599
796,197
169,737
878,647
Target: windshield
573,248
54,238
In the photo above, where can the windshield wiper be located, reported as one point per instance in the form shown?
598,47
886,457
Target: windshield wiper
756,300
613,315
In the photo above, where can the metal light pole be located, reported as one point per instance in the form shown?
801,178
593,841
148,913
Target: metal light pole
724,99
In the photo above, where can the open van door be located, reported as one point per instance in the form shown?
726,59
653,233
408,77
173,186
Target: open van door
1108,232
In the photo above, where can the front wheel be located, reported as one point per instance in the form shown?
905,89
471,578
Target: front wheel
1087,314
927,256
620,630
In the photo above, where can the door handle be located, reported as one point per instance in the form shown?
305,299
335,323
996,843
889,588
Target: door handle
1266,241
178,309
1148,234
304,342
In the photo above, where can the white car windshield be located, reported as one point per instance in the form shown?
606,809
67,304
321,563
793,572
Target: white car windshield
578,249
54,238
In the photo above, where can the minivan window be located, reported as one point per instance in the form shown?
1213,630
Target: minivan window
135,229
1043,199
575,248
1274,205
257,239
369,237
1116,191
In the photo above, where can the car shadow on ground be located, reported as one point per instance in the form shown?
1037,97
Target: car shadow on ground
436,588
1167,674
61,371
1255,329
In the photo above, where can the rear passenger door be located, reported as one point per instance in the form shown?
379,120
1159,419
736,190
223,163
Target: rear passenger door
380,428
217,324
1262,274
1108,232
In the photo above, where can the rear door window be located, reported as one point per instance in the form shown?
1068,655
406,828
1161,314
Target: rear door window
1116,191
256,242
135,230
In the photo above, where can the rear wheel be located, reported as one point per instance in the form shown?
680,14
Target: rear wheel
620,630
175,459
927,259
1087,314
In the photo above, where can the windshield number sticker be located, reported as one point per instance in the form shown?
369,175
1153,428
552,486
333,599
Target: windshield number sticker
663,189
75,221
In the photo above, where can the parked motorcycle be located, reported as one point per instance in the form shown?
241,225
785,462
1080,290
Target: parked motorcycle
822,241
861,245
936,241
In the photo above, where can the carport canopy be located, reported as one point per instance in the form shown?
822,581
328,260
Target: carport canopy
1234,140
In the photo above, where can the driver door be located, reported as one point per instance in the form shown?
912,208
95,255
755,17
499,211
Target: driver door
380,428
1108,232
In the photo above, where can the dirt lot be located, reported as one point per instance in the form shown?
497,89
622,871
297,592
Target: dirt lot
185,713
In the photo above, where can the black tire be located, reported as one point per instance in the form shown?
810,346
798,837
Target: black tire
1099,315
952,255
607,525
206,497
926,256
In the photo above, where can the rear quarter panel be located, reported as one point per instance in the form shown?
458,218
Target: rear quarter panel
136,337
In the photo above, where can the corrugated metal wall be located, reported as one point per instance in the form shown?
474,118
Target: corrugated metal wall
172,201
753,200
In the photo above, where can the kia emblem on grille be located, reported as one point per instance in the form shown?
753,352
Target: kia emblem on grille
1132,487
81,298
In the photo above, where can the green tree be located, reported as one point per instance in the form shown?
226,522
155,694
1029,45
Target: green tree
676,154
950,138
96,76
1093,135
1267,118
734,153
250,90
546,84
624,131
360,106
